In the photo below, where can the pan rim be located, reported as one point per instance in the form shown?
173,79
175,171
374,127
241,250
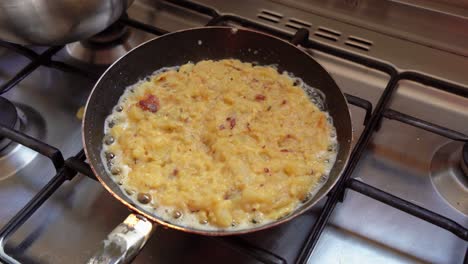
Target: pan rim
221,232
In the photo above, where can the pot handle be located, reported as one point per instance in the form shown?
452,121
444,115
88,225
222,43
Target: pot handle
124,242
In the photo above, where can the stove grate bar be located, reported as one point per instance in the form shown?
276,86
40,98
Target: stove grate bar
29,68
408,207
72,69
434,82
416,122
81,167
195,7
38,60
364,104
142,26
248,249
41,147
22,50
214,21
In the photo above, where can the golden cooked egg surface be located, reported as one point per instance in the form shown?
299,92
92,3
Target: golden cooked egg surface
221,144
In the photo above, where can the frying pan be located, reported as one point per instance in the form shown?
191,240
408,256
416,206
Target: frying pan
177,48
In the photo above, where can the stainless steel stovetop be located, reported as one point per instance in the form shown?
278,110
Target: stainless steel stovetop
405,161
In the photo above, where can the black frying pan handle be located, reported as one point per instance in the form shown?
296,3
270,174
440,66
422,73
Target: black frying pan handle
124,242
300,37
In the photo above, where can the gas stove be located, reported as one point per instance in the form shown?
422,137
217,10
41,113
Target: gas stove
402,199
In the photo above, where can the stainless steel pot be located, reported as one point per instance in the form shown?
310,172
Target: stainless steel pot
53,22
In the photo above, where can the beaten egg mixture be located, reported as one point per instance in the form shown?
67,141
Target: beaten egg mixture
224,143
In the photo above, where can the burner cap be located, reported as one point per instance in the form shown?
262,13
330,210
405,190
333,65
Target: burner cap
448,175
104,48
8,114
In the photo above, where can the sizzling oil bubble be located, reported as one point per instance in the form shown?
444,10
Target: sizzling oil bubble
108,139
176,214
110,155
323,178
307,198
298,82
144,198
115,170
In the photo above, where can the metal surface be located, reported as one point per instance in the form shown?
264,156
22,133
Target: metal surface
46,22
124,242
361,230
448,176
397,19
218,43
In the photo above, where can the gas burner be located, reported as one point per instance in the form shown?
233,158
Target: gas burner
14,156
105,47
8,118
449,174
